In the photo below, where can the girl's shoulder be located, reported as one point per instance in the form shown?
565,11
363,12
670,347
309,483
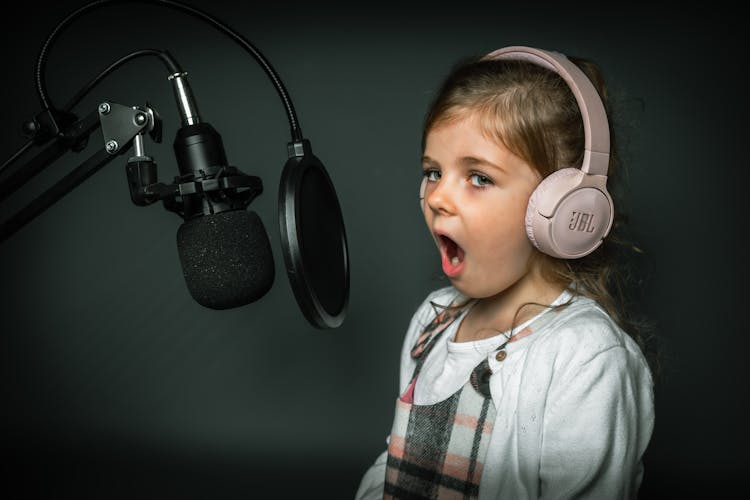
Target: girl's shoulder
582,330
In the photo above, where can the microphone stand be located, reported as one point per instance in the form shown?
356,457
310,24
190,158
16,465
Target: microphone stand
119,124
122,127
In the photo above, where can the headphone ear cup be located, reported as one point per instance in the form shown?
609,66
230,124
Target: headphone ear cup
422,189
569,213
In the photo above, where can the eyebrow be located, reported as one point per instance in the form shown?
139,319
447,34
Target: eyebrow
466,162
472,161
426,160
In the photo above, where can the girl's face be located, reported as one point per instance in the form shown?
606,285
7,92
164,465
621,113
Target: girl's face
476,194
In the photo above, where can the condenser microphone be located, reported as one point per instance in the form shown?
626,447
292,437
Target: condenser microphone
224,250
226,258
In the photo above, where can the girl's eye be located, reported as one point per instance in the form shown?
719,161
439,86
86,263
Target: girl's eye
480,180
432,175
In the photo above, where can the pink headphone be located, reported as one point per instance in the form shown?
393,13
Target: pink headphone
571,211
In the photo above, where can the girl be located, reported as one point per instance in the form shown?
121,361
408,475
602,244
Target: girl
521,379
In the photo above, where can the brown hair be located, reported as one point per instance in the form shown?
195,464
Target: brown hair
532,112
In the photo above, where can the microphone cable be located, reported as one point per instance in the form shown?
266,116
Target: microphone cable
40,73
163,55
172,66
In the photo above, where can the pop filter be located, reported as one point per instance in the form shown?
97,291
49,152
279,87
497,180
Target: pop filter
313,238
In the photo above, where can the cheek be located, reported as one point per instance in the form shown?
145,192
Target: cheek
508,243
502,236
505,254
503,240
507,220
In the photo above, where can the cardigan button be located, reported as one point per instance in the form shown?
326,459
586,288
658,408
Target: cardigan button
501,355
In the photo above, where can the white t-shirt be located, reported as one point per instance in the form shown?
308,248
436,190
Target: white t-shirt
574,400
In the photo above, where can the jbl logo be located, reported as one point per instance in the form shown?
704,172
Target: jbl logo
581,221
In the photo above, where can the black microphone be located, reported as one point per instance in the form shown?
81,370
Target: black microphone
226,258
224,250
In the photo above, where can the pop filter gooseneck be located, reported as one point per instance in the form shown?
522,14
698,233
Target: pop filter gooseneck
312,229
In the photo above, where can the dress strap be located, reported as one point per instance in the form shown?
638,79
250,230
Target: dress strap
436,327
432,332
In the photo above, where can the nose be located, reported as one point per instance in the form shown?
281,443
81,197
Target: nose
439,197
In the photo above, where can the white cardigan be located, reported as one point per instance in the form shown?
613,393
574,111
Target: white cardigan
575,404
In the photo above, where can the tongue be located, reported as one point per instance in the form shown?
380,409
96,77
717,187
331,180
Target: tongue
456,255
453,257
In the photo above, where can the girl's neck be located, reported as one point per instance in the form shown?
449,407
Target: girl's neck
491,316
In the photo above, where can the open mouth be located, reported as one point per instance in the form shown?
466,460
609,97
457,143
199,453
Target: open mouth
452,255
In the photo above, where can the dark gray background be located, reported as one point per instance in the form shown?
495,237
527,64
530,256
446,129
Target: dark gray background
116,384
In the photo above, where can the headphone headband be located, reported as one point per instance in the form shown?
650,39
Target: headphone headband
595,124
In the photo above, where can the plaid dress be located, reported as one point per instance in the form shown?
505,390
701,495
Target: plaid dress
437,450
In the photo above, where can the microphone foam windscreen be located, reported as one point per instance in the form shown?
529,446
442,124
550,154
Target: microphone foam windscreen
226,258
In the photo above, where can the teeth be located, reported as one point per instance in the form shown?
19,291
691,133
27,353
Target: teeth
455,261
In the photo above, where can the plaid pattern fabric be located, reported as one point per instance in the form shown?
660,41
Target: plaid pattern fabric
436,451
432,332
